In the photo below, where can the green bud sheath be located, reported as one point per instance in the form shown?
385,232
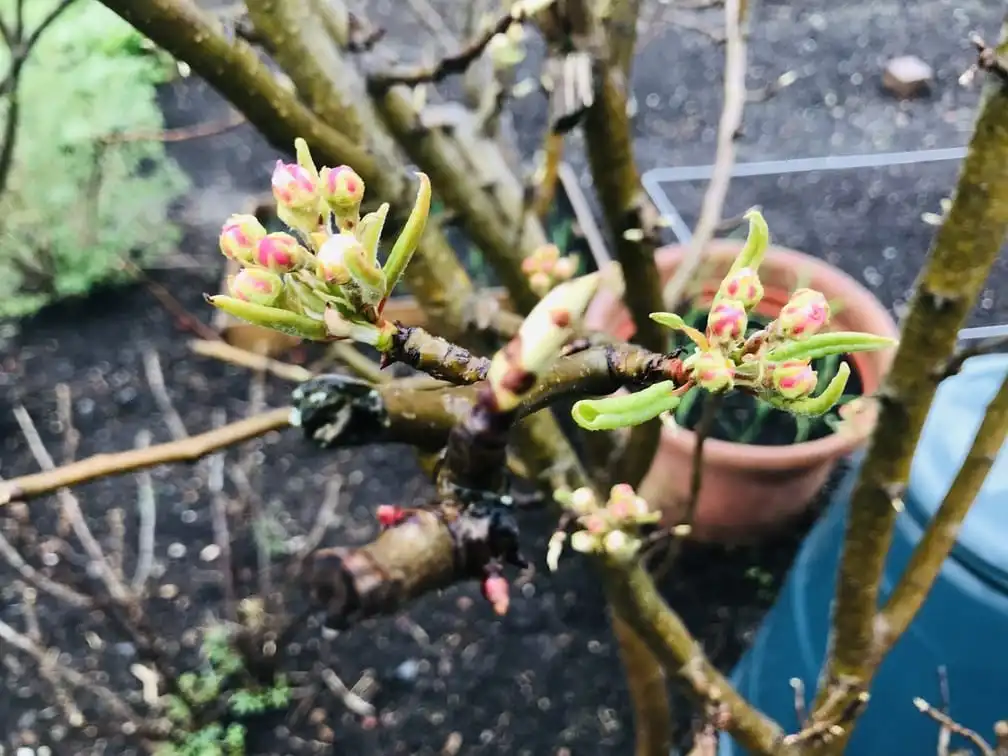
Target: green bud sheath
369,231
409,239
823,344
291,323
626,411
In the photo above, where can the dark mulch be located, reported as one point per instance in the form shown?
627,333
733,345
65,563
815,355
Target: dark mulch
546,677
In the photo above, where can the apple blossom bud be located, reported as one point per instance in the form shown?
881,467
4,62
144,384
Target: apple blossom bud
584,542
256,285
744,286
332,266
620,545
726,323
712,371
280,253
805,314
495,590
540,283
294,186
794,379
240,236
565,268
582,501
342,188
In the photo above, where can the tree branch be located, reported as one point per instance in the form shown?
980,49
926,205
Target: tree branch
101,465
943,529
637,600
449,65
963,252
717,189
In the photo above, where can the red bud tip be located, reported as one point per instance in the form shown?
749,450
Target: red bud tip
495,590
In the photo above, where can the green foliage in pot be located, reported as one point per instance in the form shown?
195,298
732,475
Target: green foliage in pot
77,200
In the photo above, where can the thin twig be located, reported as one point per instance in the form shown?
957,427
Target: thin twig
248,468
944,734
221,350
179,134
946,721
219,519
364,367
351,700
730,123
40,581
156,382
72,677
800,704
449,65
64,411
72,510
323,520
101,465
987,346
146,519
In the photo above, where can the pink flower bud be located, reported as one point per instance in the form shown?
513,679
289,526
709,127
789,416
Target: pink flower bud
280,253
794,379
805,314
256,285
294,186
727,322
389,515
240,236
712,370
332,264
495,590
565,268
342,188
744,286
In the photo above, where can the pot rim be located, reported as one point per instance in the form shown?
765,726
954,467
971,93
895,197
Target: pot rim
871,366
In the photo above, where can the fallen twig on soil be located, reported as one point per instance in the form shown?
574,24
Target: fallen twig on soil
188,450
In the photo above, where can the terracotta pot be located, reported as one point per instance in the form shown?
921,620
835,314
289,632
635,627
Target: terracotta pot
748,490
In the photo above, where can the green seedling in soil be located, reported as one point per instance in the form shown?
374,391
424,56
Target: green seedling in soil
199,692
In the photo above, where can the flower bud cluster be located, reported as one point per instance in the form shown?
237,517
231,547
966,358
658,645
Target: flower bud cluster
613,528
545,268
323,278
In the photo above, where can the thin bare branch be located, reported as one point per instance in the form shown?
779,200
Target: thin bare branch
947,722
155,380
219,519
40,581
72,510
220,350
146,520
731,121
101,465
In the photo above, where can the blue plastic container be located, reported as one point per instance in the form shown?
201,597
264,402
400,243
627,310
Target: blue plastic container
963,624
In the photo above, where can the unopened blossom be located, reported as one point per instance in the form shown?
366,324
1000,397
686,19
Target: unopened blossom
280,252
332,257
495,590
712,371
805,314
744,286
294,186
727,321
342,187
240,237
794,379
256,285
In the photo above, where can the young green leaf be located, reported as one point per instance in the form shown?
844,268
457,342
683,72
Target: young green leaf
410,236
284,321
823,344
675,322
625,411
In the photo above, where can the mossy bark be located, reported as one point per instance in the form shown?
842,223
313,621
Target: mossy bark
965,248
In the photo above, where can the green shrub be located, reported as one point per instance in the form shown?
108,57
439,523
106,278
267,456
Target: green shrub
74,206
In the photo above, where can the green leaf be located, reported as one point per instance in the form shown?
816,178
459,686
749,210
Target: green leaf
284,321
625,411
756,243
369,231
409,239
813,406
671,320
823,344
